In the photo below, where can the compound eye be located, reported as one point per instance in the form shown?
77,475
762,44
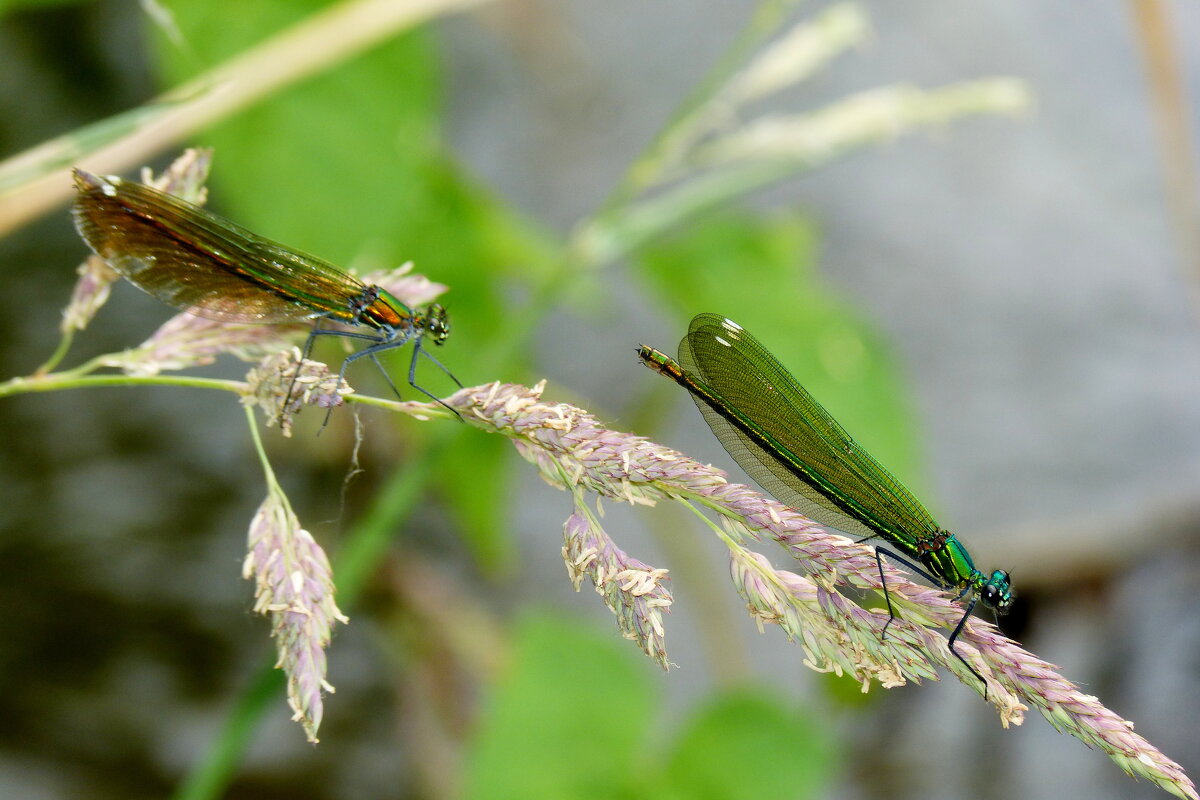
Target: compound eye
990,595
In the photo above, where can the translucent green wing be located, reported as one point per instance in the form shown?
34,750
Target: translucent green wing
818,469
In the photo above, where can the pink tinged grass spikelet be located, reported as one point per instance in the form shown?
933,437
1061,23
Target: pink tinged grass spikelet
293,587
186,176
186,341
631,589
573,451
283,378
90,294
837,635
1072,711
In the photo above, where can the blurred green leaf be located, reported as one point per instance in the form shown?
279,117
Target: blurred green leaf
846,691
565,722
21,5
762,274
472,242
748,745
329,165
478,487
574,718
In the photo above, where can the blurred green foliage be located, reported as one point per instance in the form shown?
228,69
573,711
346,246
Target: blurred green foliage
16,5
575,715
749,744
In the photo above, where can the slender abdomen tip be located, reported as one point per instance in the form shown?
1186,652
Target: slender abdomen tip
87,182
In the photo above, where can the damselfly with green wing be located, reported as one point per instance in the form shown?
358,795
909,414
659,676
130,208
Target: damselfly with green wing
794,449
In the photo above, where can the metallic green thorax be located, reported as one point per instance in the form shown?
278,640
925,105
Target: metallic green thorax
791,446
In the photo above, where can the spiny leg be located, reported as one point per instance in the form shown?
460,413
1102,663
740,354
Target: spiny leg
373,352
380,343
954,637
412,378
386,376
879,552
887,596
441,366
308,345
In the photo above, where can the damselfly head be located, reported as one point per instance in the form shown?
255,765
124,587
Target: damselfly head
997,592
437,324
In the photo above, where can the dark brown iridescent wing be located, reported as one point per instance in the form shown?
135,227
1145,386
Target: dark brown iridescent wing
843,486
196,261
